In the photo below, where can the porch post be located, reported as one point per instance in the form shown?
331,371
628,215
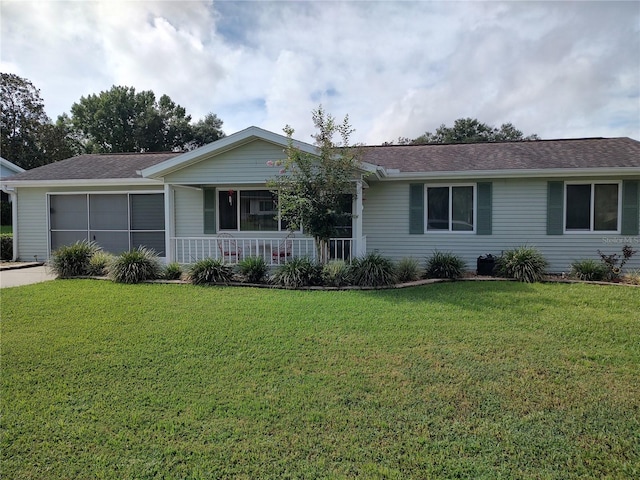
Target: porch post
169,222
357,221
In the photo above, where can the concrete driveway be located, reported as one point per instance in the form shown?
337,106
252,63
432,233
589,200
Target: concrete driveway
16,276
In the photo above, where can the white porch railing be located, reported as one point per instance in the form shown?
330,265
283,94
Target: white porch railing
275,251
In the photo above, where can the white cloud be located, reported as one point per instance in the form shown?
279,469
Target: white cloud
397,68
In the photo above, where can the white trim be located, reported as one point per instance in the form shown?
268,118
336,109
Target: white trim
450,186
122,182
591,230
238,213
514,173
220,146
11,166
14,223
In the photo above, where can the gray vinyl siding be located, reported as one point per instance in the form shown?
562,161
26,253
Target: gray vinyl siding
246,164
189,214
32,221
519,218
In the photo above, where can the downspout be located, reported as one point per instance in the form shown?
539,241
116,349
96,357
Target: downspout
14,219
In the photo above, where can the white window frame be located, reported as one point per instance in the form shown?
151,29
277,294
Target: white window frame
450,186
238,230
592,183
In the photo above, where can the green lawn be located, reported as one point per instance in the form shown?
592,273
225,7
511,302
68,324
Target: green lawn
458,380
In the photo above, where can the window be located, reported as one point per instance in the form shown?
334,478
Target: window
451,208
248,210
592,207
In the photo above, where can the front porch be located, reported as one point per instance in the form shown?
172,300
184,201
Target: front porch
275,251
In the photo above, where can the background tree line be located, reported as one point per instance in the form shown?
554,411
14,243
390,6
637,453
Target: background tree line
116,120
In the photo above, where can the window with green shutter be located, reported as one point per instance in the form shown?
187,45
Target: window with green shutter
209,210
485,208
416,208
630,207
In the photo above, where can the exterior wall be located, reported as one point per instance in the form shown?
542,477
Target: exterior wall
246,164
32,221
519,218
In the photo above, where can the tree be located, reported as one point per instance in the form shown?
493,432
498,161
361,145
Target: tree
469,130
123,120
28,138
310,188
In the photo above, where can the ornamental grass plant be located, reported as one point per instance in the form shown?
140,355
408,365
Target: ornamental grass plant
73,260
372,270
524,264
444,265
210,271
135,266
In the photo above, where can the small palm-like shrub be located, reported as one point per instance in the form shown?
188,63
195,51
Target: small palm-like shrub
253,269
210,270
135,266
372,270
172,271
525,264
407,270
299,272
335,274
588,270
444,265
99,264
73,260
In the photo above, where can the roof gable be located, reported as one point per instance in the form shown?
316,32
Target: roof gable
8,168
221,146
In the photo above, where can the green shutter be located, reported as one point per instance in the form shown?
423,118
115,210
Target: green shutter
555,208
630,207
485,205
209,210
416,208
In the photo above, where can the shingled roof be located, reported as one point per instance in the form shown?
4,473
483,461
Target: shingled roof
529,155
96,166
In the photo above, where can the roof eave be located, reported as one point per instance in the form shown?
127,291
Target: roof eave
89,182
515,173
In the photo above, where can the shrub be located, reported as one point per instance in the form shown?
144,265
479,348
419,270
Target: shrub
135,266
209,271
372,270
614,264
444,265
6,246
99,264
253,269
588,270
172,271
299,272
336,274
525,264
73,260
407,270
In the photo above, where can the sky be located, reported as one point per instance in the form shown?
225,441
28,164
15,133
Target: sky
397,69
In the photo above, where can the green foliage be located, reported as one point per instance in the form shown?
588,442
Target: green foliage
28,138
407,270
469,130
311,188
172,271
298,272
210,271
588,270
99,264
336,273
73,260
525,264
6,246
135,266
372,270
253,269
444,265
632,277
123,120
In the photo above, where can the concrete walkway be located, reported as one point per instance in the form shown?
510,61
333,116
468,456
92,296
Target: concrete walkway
27,274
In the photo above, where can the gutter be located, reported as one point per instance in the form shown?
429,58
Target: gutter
392,175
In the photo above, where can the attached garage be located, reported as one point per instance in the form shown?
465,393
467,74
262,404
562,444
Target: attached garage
117,222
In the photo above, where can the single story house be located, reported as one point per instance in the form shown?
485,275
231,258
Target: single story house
568,198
